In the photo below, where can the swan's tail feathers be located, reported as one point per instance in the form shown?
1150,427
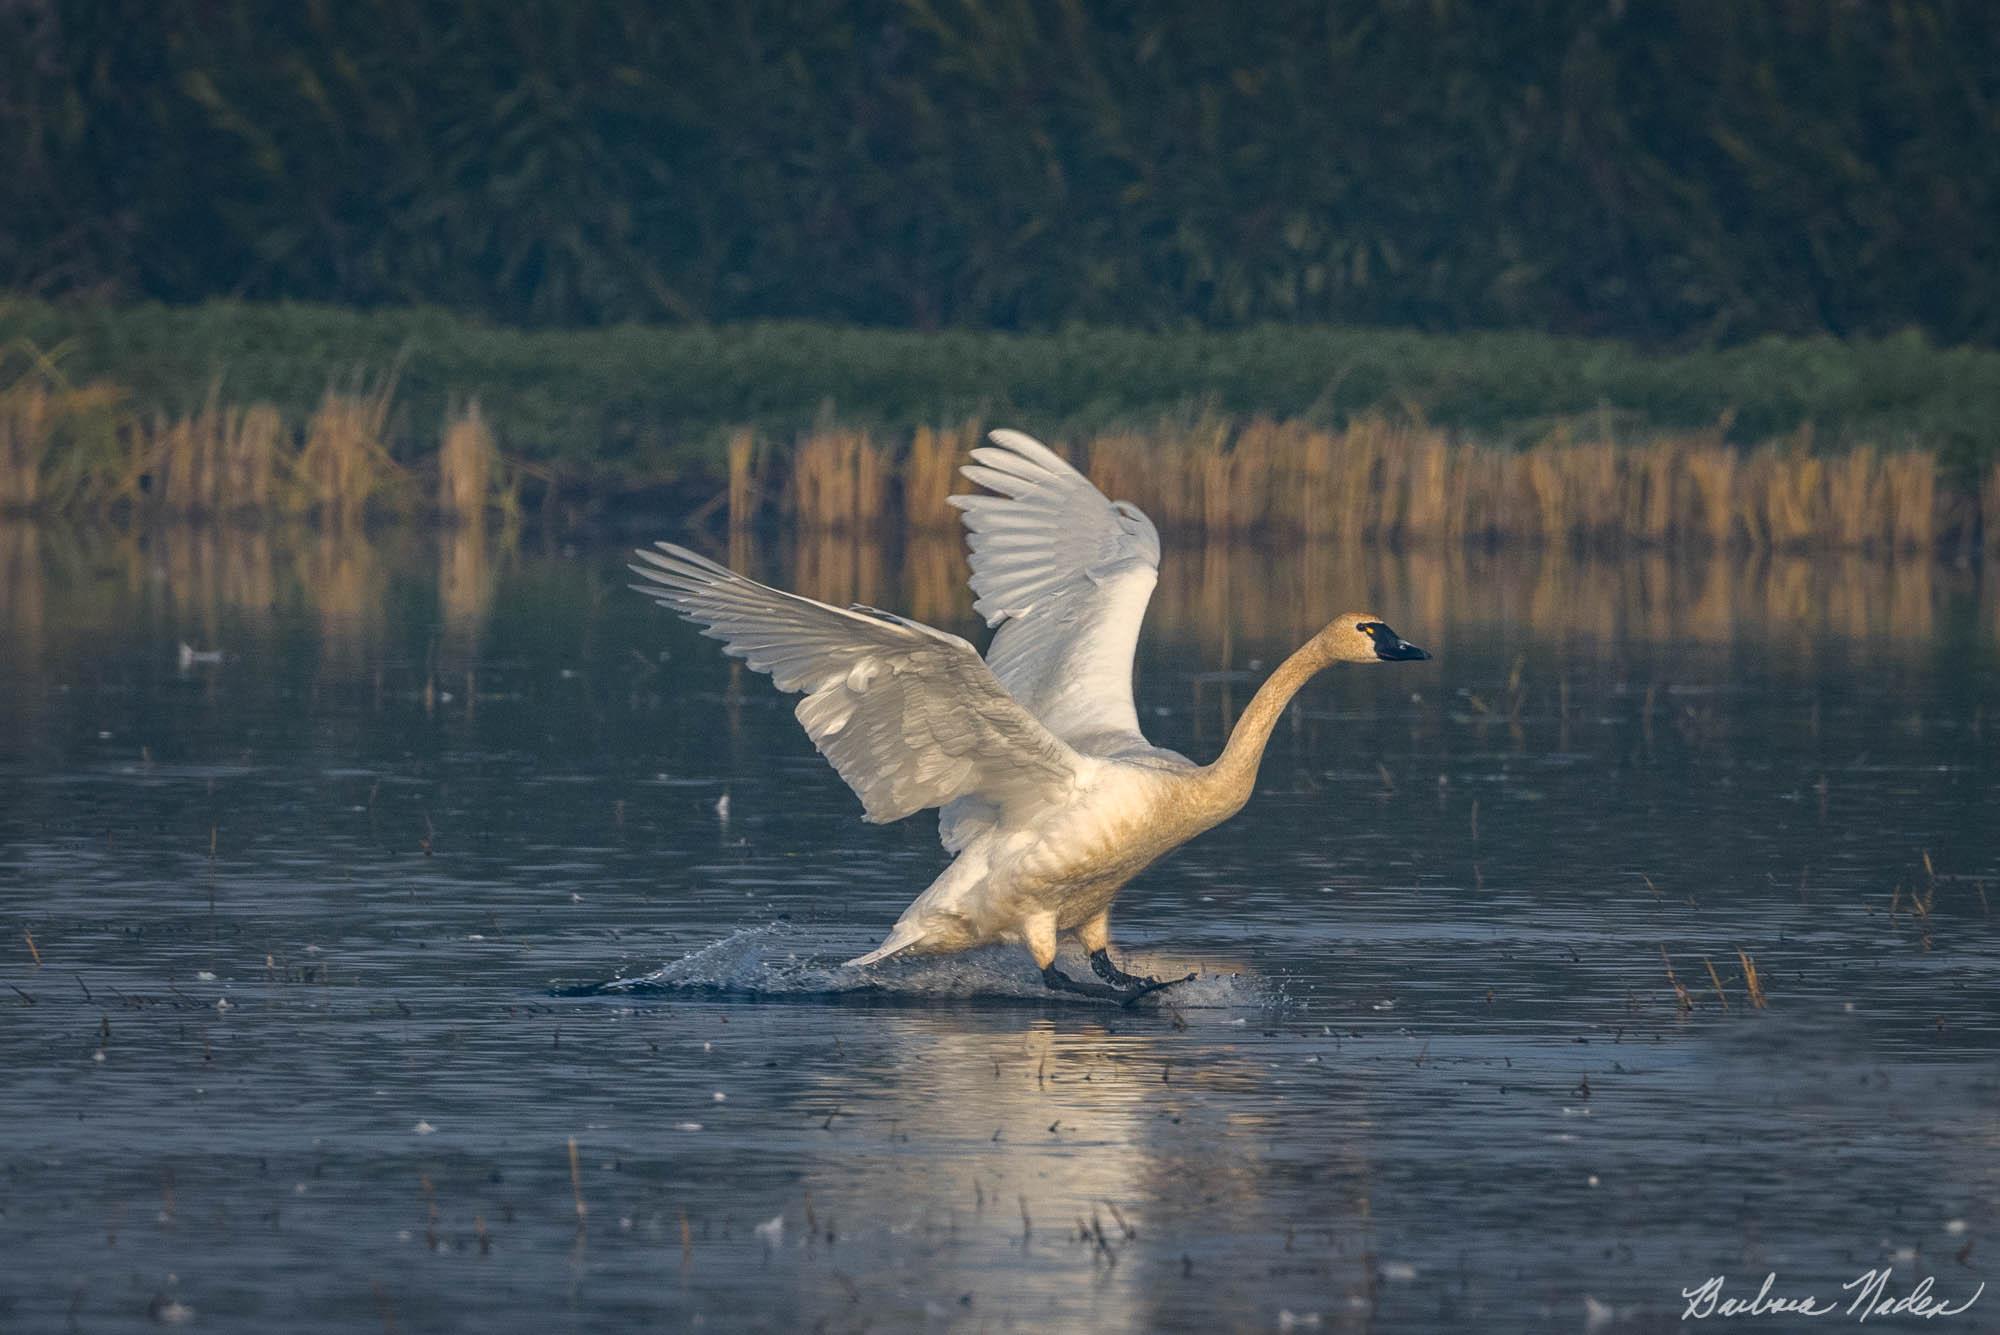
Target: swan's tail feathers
902,938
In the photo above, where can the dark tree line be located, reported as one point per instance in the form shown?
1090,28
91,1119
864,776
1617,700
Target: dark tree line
1663,171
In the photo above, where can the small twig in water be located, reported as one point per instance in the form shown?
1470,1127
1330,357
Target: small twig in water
576,1187
1680,991
1716,978
1750,980
29,937
430,1211
1096,1232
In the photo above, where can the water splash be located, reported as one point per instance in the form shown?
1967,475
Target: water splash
766,964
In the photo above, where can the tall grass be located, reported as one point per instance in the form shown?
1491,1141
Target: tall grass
930,474
25,439
839,481
1388,480
746,457
218,460
57,438
77,449
468,467
1595,480
345,461
641,403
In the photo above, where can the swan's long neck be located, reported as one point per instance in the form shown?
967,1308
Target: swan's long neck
1235,770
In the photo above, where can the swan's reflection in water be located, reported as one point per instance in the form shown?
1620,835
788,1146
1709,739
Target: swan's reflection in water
1057,1172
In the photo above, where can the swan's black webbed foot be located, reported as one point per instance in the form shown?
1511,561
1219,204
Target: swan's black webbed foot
1100,963
1152,985
1058,981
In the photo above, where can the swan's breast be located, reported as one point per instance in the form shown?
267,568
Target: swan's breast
1118,826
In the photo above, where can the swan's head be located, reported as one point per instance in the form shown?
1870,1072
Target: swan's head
1362,637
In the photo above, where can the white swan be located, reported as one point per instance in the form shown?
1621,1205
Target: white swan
1051,798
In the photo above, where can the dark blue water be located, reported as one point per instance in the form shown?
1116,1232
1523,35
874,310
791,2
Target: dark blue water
293,1056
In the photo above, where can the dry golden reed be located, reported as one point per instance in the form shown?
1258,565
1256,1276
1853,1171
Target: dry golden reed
839,481
746,479
468,466
25,438
1379,478
930,474
54,435
219,460
345,463
1384,479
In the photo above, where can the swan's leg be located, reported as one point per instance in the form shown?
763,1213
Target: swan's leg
1100,963
1039,932
1039,935
1096,938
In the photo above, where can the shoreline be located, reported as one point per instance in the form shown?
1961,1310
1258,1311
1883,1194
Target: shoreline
350,417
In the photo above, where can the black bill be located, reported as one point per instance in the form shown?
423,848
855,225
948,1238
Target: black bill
1391,647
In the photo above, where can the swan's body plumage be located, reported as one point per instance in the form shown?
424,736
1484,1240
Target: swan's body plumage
1049,796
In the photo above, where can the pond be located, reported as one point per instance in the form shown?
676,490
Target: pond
1644,936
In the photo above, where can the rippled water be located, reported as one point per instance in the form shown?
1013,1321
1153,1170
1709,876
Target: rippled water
296,1053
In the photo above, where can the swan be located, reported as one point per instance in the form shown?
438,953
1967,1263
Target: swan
1049,797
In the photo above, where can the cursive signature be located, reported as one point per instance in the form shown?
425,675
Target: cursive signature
1869,1296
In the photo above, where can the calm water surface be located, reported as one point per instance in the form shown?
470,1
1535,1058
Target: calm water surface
294,1055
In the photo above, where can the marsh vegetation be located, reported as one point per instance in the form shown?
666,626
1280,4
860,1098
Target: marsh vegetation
230,411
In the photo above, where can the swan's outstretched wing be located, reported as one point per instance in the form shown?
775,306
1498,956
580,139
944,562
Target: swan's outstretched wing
911,717
1065,574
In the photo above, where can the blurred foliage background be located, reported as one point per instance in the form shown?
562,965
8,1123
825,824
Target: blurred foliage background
1670,173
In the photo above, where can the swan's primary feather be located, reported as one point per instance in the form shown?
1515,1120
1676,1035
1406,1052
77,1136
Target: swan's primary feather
1065,575
909,716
